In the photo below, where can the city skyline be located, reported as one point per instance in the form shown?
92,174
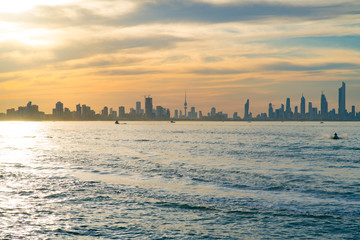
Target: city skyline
151,111
221,52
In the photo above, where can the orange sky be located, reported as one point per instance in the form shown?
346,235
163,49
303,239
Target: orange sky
112,53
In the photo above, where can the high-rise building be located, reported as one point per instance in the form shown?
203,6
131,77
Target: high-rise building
105,112
58,111
138,107
213,112
288,106
246,114
176,113
121,111
324,106
353,113
342,104
310,108
271,111
78,111
148,108
28,108
302,106
192,113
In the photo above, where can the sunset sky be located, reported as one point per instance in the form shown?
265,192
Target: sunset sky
221,52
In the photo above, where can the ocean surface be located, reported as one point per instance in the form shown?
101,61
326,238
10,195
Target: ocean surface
186,180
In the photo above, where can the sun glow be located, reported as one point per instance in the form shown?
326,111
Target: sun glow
18,6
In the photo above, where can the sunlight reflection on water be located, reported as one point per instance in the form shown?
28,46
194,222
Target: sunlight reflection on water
183,180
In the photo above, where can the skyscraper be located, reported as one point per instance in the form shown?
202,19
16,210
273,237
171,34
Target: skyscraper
58,111
246,114
310,109
213,112
271,111
105,112
148,107
78,111
288,106
176,114
342,105
121,111
324,106
185,106
302,106
138,107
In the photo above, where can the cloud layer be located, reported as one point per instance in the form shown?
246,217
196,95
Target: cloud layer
221,52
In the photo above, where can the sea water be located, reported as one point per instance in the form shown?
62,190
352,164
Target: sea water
183,180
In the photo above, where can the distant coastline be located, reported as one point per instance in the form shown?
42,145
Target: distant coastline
159,113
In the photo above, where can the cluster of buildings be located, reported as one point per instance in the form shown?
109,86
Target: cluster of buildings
284,113
313,113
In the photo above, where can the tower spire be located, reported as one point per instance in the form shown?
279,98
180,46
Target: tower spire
185,106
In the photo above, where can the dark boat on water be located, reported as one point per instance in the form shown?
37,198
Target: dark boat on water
335,136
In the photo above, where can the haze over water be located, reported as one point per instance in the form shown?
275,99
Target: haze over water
188,180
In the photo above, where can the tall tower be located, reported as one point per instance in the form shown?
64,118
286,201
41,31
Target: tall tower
138,107
185,106
148,107
271,111
342,109
288,106
302,106
324,105
246,114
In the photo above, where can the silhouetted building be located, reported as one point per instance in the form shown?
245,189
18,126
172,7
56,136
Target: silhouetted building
288,106
310,108
235,116
302,106
113,114
324,106
353,113
138,107
342,104
162,113
213,112
271,111
246,114
121,111
148,108
176,113
185,106
58,111
78,111
192,113
105,112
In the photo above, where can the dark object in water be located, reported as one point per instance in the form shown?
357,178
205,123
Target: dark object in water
335,136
